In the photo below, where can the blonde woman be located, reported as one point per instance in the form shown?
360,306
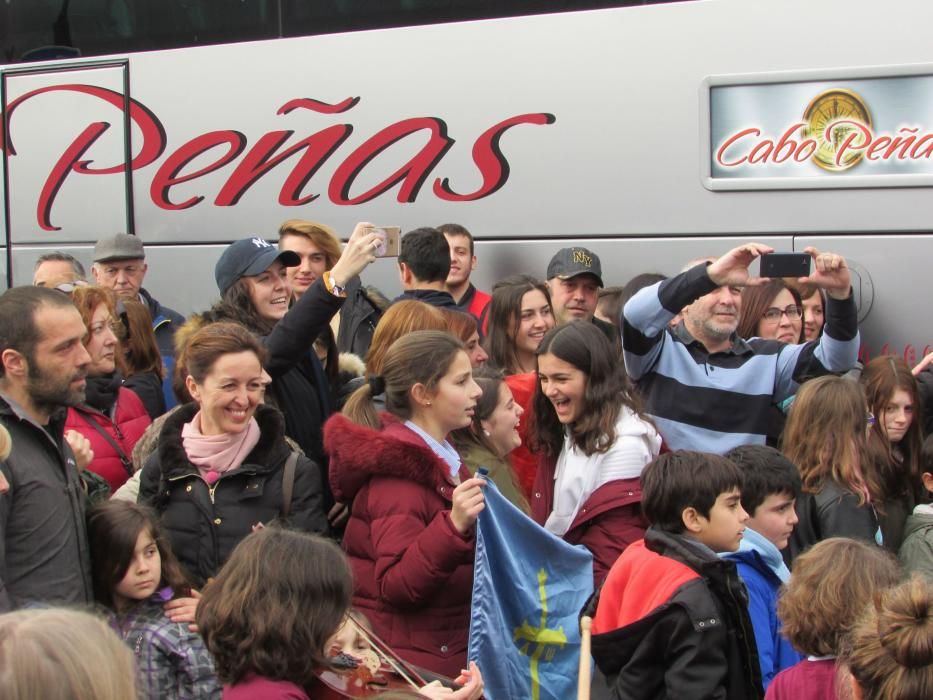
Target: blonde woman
58,654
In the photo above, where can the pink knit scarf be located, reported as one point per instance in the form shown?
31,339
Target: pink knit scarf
214,455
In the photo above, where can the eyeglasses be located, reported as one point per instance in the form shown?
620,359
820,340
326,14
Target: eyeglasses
69,287
792,312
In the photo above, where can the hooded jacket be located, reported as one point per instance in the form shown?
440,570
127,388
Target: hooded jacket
607,522
763,571
671,621
172,662
124,421
610,519
204,523
412,569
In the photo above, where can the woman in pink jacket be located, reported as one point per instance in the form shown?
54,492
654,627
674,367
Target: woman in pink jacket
410,536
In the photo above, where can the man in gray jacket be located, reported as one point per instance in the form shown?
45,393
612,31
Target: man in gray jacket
43,365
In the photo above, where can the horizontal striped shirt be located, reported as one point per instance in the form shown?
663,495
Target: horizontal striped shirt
716,401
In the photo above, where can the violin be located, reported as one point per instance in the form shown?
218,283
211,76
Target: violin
379,671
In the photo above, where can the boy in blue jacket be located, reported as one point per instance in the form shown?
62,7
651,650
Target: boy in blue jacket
770,486
671,620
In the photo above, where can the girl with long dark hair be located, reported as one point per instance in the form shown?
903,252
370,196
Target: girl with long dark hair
592,442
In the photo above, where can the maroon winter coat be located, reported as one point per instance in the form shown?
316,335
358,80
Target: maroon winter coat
413,572
608,522
130,420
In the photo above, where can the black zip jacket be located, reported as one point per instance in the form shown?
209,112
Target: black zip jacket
44,556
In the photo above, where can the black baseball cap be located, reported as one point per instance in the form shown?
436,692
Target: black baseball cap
570,262
248,257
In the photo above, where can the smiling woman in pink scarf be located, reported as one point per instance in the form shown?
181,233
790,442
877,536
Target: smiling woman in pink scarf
223,466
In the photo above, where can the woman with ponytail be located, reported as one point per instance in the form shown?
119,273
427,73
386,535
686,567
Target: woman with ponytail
413,505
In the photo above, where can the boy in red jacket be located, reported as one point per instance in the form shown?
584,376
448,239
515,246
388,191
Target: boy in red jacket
671,620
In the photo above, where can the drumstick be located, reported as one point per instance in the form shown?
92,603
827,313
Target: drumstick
583,683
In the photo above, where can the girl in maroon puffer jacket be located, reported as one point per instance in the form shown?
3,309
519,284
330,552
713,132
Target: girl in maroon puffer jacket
410,536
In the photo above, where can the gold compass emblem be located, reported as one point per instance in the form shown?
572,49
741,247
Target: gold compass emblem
824,109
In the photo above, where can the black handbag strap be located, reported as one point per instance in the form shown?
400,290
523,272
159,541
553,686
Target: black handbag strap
124,460
288,483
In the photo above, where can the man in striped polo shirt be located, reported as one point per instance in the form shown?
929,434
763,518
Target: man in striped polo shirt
706,388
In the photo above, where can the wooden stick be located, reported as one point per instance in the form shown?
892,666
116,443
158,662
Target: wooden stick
584,681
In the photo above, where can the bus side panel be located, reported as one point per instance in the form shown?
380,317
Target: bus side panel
581,126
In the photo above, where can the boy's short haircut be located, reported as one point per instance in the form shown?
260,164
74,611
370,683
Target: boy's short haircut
456,230
926,455
765,471
427,254
685,479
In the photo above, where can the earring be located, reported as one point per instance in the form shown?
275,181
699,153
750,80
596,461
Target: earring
427,403
487,433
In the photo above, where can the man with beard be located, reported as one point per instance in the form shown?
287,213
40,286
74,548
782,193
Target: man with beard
43,364
708,389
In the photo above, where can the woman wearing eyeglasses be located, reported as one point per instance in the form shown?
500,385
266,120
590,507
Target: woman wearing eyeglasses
773,311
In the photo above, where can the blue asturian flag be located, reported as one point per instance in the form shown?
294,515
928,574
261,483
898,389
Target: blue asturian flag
528,589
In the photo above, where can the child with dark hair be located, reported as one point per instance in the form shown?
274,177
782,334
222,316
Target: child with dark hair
833,582
916,552
671,620
135,574
269,614
770,485
273,615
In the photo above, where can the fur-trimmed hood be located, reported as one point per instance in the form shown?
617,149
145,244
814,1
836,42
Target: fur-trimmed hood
269,452
351,365
358,453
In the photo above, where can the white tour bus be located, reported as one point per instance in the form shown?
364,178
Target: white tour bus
651,134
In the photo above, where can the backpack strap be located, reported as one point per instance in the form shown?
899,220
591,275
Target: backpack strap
288,483
124,460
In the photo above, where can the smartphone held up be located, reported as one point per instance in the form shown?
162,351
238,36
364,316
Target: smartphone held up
785,265
389,241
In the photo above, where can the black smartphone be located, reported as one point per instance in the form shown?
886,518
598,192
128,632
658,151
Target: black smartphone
785,265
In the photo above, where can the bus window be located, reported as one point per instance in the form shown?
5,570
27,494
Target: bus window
35,30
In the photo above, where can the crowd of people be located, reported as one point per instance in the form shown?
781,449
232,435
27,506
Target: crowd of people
259,500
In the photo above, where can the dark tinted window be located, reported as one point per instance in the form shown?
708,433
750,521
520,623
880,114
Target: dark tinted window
32,30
